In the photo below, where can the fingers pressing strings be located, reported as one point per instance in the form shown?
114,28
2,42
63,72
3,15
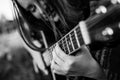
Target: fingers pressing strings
60,53
57,59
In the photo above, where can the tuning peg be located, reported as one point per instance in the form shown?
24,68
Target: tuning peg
118,1
101,9
115,1
107,31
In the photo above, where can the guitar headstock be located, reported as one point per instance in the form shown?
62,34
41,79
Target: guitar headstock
101,7
105,27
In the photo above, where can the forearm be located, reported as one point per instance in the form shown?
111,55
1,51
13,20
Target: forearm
96,72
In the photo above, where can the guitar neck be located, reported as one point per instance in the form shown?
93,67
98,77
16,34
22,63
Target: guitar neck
103,28
71,42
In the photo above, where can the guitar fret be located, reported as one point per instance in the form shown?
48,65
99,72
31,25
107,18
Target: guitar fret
74,40
61,45
79,35
69,43
77,38
65,46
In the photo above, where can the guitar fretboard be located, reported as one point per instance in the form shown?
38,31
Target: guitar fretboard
71,42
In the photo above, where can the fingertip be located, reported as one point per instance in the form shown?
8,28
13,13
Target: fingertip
56,44
57,47
51,64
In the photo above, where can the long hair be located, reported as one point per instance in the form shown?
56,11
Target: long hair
70,13
28,17
24,18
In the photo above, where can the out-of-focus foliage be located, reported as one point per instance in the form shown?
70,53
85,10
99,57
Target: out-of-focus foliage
15,61
7,26
18,68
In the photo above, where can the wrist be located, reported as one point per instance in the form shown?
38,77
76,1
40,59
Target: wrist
95,71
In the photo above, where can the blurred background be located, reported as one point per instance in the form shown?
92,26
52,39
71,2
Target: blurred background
15,60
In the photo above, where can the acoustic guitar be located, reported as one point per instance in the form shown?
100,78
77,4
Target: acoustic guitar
99,29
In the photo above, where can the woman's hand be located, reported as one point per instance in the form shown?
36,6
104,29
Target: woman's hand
80,65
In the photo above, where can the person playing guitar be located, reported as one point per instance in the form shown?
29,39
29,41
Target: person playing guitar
56,18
